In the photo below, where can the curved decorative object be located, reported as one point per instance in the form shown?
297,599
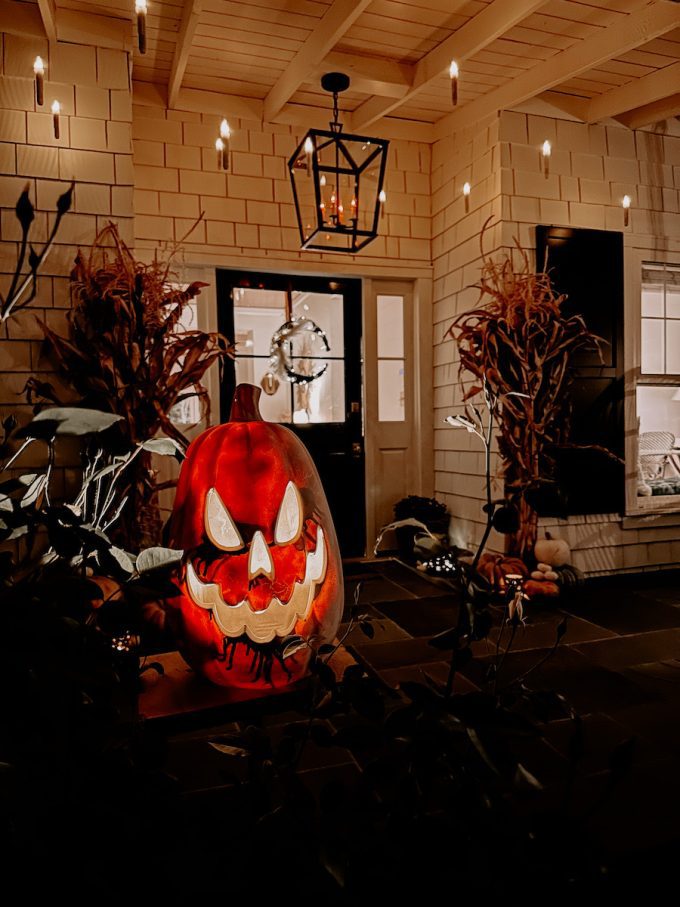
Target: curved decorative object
261,557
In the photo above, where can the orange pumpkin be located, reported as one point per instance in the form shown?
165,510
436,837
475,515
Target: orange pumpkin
541,589
261,557
495,567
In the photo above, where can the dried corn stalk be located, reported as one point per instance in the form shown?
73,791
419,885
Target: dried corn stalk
127,353
518,340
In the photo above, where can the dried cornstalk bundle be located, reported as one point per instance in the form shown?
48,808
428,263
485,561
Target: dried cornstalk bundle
126,351
519,341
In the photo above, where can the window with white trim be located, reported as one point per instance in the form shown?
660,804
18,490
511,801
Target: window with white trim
657,393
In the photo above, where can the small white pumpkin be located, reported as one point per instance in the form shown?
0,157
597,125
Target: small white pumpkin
537,574
554,552
550,575
543,568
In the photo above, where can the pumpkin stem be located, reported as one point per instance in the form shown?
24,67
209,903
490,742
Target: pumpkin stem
244,406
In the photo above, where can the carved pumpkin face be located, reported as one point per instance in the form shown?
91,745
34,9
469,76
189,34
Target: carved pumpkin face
261,558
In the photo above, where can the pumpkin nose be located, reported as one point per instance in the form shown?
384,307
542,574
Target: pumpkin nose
259,559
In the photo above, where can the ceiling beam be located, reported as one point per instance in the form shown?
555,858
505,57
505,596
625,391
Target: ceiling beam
638,93
649,114
48,13
637,28
185,38
340,16
493,21
148,94
370,75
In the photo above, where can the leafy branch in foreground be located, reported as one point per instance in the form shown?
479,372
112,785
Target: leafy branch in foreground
16,298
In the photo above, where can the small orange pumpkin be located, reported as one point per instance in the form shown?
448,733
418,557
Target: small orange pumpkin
541,589
495,567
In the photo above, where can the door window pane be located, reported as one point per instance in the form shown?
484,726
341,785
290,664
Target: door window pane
325,310
322,400
258,314
274,408
391,403
390,326
391,362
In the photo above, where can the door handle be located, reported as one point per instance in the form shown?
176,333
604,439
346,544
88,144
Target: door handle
357,449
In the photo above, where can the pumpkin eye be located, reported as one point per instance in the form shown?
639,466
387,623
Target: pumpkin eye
289,521
219,525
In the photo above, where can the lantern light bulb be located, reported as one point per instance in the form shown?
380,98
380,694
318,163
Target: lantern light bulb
547,148
225,131
56,108
309,146
453,70
219,144
382,198
141,7
625,201
322,180
466,188
39,66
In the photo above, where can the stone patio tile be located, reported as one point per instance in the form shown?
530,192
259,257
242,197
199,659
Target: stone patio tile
638,648
620,610
588,687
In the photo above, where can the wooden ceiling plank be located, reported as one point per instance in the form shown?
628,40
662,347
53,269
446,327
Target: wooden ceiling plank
649,114
102,31
637,28
638,93
340,16
488,25
185,38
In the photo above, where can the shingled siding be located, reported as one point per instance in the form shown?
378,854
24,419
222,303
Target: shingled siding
591,168
95,149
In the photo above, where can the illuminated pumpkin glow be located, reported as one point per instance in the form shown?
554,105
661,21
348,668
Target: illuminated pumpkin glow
261,557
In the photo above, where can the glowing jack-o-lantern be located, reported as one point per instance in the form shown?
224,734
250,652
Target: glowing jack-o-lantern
261,558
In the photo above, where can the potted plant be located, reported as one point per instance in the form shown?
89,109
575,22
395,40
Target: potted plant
431,513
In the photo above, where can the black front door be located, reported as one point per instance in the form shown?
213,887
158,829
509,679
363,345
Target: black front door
326,413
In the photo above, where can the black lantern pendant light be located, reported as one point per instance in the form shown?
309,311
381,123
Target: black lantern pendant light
338,183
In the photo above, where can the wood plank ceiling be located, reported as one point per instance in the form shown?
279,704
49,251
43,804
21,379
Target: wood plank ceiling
591,58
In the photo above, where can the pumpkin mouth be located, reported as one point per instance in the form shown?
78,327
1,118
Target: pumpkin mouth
278,618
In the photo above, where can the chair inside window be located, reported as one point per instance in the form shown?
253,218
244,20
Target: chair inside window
655,454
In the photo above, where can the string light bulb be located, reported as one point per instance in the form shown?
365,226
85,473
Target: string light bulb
225,135
625,204
309,151
56,110
141,9
39,72
546,151
453,75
